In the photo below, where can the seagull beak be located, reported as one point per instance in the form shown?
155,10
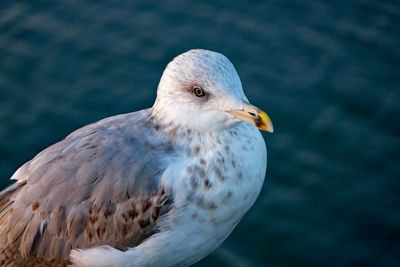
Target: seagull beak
255,116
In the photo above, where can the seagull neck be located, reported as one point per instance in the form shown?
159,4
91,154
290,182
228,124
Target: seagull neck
181,135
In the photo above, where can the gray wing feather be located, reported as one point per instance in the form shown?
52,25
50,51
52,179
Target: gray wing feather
100,185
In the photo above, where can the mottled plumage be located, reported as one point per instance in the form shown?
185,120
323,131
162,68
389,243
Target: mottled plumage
158,187
100,185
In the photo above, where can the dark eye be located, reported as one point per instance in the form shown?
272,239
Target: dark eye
198,91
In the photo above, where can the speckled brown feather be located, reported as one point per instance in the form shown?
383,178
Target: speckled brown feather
85,191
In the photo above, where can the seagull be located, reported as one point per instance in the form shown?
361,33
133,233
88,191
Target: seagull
163,186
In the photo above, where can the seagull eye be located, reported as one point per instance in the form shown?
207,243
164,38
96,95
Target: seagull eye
198,91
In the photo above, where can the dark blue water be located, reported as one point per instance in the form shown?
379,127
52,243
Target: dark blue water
327,72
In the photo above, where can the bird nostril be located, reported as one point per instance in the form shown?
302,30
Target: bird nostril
252,114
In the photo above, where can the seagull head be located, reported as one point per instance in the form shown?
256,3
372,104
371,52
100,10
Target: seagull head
201,90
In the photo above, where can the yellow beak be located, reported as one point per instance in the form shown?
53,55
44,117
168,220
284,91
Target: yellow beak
255,116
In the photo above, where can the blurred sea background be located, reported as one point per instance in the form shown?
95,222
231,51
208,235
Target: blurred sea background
327,73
